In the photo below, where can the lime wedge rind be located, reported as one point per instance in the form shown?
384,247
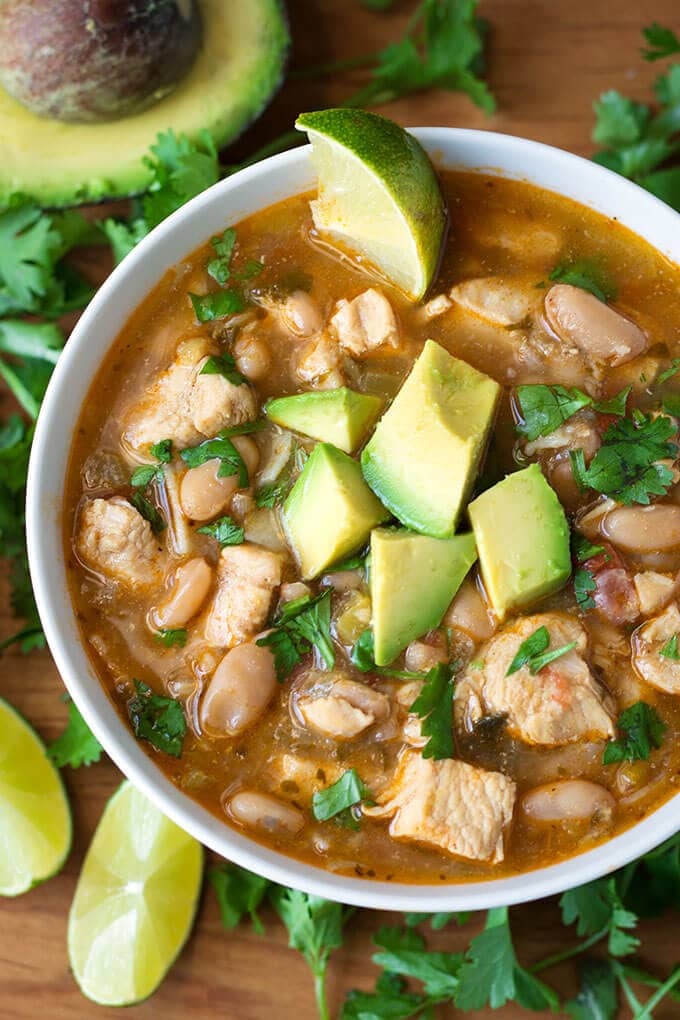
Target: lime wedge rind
35,819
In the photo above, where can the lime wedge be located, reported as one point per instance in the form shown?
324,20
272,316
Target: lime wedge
35,821
378,194
134,903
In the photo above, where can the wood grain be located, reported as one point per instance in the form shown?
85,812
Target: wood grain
548,61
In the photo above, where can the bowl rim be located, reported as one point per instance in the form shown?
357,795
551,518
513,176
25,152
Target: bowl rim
502,154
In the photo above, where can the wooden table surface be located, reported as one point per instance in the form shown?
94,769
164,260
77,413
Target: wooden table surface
548,61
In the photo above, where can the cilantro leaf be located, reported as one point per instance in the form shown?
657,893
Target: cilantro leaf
491,975
76,745
143,476
157,719
597,907
641,729
238,892
669,372
434,705
391,1000
217,305
598,996
221,448
172,636
273,493
626,465
586,274
148,511
162,451
224,365
670,649
535,644
402,951
662,42
341,795
538,662
220,268
302,624
545,408
583,549
224,530
179,170
363,657
147,473
123,236
584,586
616,404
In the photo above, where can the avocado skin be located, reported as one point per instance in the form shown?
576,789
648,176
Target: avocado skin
413,580
237,72
522,538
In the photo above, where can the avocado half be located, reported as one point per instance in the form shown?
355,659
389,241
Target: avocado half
240,66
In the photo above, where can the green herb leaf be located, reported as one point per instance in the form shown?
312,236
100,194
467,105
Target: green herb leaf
588,275
147,473
534,645
616,404
597,907
584,586
180,169
641,729
434,705
148,512
143,476
598,996
669,372
220,267
545,408
76,745
169,637
224,530
273,493
123,236
218,304
302,624
583,549
662,42
239,892
221,448
225,365
391,1000
362,656
537,662
670,649
343,794
402,952
157,719
162,451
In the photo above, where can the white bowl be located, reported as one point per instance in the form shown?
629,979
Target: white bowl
226,203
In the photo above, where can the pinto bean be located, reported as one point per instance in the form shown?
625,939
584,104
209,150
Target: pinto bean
203,494
261,811
191,585
301,314
253,357
599,331
421,657
568,800
240,690
645,529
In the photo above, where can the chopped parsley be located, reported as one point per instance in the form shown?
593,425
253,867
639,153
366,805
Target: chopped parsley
434,705
224,365
545,408
76,745
338,798
220,448
301,624
586,274
145,474
157,719
641,730
171,636
218,304
534,654
148,511
224,530
670,649
626,465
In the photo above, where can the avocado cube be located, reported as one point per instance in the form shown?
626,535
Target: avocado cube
330,510
424,454
413,579
522,538
340,416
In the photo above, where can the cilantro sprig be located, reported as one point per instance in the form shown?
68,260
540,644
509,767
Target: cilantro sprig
641,730
220,448
145,474
434,705
224,530
300,625
586,274
157,719
76,745
338,798
534,652
545,408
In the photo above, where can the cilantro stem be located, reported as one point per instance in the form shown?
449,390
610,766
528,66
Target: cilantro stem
661,992
646,979
320,992
25,398
332,66
20,635
567,954
630,995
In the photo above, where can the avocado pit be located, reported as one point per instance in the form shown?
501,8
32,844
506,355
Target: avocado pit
86,61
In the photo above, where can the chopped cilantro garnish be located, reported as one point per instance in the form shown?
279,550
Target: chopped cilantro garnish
225,365
584,586
301,624
670,649
221,448
363,657
586,274
224,530
220,268
148,511
626,466
434,705
545,408
76,745
157,719
616,404
338,798
147,473
534,654
669,372
218,304
274,493
583,549
641,729
172,636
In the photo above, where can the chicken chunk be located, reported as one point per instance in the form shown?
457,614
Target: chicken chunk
186,405
318,363
504,302
653,590
562,703
661,671
366,323
449,804
342,708
247,576
116,541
